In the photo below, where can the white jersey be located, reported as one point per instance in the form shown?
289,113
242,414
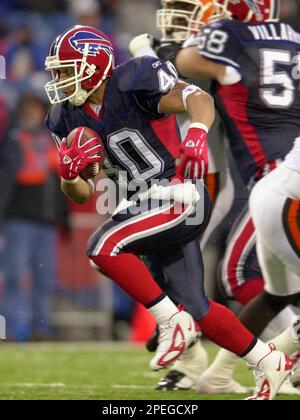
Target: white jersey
292,159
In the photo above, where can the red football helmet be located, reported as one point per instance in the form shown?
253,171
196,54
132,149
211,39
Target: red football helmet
254,11
89,54
179,19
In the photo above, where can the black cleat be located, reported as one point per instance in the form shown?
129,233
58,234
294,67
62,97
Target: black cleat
170,381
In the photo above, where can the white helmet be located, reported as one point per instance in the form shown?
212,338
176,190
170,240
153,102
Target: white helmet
179,19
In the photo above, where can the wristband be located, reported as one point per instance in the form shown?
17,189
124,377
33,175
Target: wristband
200,126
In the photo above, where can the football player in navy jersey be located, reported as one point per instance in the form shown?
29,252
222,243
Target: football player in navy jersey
137,126
251,56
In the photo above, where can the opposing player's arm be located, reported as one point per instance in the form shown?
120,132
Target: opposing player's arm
191,64
199,104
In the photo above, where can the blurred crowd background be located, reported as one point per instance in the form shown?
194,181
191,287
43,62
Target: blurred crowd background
47,288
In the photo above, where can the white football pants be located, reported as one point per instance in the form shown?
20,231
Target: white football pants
275,209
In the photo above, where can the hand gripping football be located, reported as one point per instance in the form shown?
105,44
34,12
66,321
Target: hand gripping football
82,135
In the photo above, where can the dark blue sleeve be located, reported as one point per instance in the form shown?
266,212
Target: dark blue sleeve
219,42
151,79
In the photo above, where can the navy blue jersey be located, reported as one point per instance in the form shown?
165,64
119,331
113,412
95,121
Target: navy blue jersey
262,110
138,139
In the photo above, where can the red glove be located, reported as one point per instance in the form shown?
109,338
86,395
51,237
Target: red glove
74,159
194,159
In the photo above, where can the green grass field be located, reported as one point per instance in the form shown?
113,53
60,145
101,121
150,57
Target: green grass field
89,372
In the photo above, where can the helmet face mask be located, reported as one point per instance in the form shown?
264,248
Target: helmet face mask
178,20
88,55
56,88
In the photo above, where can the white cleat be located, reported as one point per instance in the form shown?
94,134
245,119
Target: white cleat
183,375
273,370
287,388
219,386
176,335
193,362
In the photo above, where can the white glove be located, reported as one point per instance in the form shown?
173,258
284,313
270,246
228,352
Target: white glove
181,193
142,45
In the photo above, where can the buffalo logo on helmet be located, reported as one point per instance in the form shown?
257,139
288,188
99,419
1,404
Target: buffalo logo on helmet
253,5
95,43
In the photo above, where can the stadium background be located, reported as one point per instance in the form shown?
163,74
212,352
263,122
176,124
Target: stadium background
84,306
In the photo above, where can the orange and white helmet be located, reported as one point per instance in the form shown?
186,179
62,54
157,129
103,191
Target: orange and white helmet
179,19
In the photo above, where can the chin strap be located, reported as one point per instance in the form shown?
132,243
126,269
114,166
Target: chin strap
80,97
